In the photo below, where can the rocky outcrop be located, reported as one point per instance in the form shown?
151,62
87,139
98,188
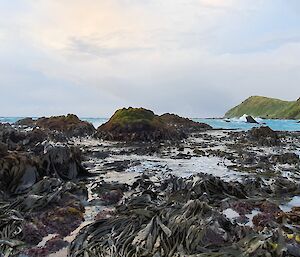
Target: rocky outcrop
70,125
28,122
264,136
183,125
139,124
19,171
136,124
62,162
31,140
250,119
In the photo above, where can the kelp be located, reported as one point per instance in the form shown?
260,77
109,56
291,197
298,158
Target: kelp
11,226
47,200
156,231
181,217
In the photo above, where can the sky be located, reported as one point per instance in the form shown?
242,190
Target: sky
196,58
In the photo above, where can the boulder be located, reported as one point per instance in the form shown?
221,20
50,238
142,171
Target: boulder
264,136
62,161
250,119
139,124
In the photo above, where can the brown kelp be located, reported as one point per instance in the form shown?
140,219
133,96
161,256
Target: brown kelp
181,217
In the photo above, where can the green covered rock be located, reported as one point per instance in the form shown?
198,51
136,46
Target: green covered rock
139,124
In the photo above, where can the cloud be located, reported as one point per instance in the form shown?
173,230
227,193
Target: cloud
196,58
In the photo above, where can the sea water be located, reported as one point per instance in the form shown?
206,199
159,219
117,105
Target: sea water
235,123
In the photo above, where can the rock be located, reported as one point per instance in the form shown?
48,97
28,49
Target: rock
286,158
183,125
18,173
3,149
28,122
11,136
250,119
136,124
281,186
70,125
139,124
264,136
63,162
24,140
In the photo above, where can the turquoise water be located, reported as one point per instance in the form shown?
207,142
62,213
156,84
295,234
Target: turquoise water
240,124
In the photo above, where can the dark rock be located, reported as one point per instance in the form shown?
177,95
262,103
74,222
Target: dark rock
250,119
28,122
281,186
264,136
19,171
70,125
286,158
11,136
183,125
139,124
110,193
63,162
3,149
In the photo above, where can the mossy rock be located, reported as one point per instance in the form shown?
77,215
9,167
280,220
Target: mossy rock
70,125
139,124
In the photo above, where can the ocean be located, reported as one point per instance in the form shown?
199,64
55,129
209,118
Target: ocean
236,123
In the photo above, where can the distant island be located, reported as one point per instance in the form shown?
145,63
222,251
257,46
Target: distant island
266,107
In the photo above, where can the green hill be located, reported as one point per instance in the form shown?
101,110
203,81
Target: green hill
265,107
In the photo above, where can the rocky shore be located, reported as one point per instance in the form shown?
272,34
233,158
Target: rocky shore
147,185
